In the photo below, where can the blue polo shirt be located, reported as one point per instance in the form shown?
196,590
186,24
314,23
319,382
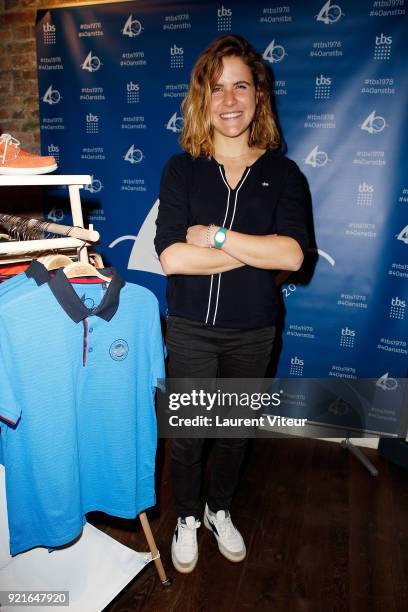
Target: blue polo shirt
35,275
78,369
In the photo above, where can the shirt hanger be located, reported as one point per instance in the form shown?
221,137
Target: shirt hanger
78,269
52,262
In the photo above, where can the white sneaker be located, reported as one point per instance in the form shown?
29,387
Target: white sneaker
230,541
184,549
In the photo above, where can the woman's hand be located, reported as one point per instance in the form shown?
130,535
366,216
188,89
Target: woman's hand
271,252
197,235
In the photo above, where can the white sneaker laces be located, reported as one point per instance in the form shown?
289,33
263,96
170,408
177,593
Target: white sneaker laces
6,140
187,534
226,526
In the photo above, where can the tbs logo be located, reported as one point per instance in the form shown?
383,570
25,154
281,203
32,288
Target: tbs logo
383,40
224,12
174,50
92,124
53,149
347,337
397,310
296,366
322,80
382,48
49,33
176,57
133,90
364,188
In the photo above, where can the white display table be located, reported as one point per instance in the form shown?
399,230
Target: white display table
94,569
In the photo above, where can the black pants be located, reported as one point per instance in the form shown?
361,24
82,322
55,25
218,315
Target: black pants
197,350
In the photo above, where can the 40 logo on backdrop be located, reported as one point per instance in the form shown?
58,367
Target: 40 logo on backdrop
111,80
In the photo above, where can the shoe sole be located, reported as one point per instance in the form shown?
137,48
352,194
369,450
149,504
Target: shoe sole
224,551
19,171
183,569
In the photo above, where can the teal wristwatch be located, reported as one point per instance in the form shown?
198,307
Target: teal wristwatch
220,237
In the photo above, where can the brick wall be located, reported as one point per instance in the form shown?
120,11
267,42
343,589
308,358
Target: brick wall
19,114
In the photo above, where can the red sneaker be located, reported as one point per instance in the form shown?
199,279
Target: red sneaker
14,160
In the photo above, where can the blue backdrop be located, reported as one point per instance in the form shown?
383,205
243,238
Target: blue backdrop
111,80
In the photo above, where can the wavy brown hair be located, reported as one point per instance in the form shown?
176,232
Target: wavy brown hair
197,134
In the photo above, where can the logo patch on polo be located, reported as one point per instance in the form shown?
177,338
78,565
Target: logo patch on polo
119,350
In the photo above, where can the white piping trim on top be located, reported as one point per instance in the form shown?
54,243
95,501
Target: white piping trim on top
209,299
230,225
212,275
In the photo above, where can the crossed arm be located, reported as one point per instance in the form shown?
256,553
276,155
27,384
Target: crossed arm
271,252
185,250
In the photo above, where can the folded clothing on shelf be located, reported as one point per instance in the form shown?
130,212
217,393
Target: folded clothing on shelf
14,160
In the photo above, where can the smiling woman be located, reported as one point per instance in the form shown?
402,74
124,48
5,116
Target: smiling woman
232,101
197,135
231,214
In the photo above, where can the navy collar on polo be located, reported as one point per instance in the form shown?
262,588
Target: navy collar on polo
38,272
68,298
75,308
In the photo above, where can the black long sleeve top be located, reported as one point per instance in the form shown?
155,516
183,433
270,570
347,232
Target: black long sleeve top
269,199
